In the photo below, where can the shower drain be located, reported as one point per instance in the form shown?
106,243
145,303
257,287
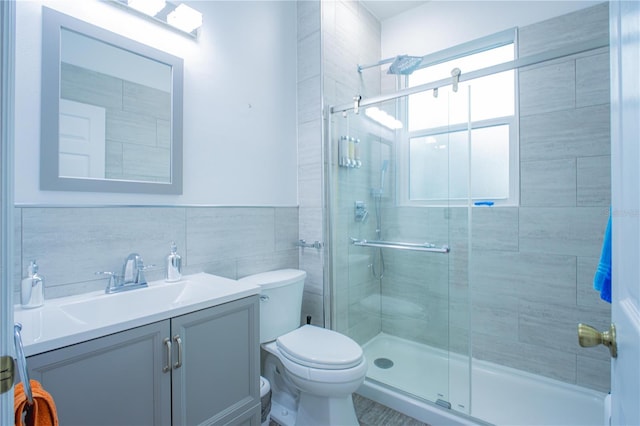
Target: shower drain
383,363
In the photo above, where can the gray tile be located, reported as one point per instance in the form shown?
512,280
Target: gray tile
309,56
131,128
286,228
225,268
146,163
311,261
269,261
565,134
592,80
310,184
226,233
90,87
163,133
547,89
563,230
550,183
565,30
594,181
98,239
495,228
310,144
538,318
312,304
525,274
144,100
309,100
114,160
594,373
310,224
308,17
495,315
546,361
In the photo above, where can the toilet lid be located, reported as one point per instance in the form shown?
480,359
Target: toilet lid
320,348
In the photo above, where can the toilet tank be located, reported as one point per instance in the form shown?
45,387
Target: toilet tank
280,301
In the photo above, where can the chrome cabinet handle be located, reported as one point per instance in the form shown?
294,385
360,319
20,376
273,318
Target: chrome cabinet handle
178,341
167,344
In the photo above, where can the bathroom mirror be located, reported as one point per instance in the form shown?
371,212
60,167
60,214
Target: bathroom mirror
111,115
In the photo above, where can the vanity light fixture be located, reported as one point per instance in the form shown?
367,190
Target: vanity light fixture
185,18
148,7
176,15
382,117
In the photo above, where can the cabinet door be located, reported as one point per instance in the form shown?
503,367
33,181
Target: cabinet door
220,372
113,380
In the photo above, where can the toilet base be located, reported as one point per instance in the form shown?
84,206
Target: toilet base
320,411
282,415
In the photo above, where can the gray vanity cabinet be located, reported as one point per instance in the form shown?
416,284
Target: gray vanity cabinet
218,381
128,378
112,380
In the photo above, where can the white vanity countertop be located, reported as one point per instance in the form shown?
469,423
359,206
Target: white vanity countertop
68,320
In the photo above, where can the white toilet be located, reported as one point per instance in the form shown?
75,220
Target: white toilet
312,371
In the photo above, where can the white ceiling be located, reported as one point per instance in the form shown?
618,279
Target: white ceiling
384,9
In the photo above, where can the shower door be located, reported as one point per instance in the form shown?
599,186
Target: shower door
398,242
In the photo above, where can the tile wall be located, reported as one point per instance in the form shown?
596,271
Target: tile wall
531,267
333,38
72,243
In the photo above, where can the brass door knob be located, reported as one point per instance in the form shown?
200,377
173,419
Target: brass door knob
589,336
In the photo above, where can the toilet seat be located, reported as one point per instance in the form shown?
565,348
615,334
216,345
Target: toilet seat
319,348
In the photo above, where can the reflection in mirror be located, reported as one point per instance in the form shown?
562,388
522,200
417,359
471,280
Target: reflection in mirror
111,111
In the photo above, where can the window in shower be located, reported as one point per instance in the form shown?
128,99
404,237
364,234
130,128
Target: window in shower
444,127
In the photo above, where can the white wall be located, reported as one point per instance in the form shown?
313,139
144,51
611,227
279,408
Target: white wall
438,25
239,102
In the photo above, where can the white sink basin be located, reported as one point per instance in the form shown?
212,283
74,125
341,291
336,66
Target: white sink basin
68,320
125,305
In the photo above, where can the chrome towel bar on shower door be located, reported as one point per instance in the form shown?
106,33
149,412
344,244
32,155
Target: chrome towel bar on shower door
401,246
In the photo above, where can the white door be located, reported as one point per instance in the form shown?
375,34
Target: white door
7,25
82,140
625,166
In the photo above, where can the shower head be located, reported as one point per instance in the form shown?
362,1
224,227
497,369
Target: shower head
404,64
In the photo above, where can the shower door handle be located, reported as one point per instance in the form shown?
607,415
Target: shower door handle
589,336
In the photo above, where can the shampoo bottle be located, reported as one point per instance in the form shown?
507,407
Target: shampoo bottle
32,289
174,265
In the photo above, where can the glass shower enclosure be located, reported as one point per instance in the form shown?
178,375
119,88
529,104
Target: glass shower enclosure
463,225
399,231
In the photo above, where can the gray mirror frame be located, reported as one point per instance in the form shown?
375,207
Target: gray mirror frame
52,23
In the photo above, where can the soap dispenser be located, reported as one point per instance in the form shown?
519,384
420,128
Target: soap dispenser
32,290
174,265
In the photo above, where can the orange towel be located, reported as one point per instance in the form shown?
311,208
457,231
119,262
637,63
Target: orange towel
42,413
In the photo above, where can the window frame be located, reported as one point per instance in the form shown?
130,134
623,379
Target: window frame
475,46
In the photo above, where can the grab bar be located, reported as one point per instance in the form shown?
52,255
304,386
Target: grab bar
304,244
401,246
22,362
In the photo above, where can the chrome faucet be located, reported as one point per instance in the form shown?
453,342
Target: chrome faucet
132,276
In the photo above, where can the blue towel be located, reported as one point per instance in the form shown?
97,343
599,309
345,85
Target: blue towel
602,279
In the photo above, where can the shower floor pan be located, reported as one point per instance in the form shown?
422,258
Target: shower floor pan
499,395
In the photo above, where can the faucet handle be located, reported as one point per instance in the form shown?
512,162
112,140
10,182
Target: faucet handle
114,280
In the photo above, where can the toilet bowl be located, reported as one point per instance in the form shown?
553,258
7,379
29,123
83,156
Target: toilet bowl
312,371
